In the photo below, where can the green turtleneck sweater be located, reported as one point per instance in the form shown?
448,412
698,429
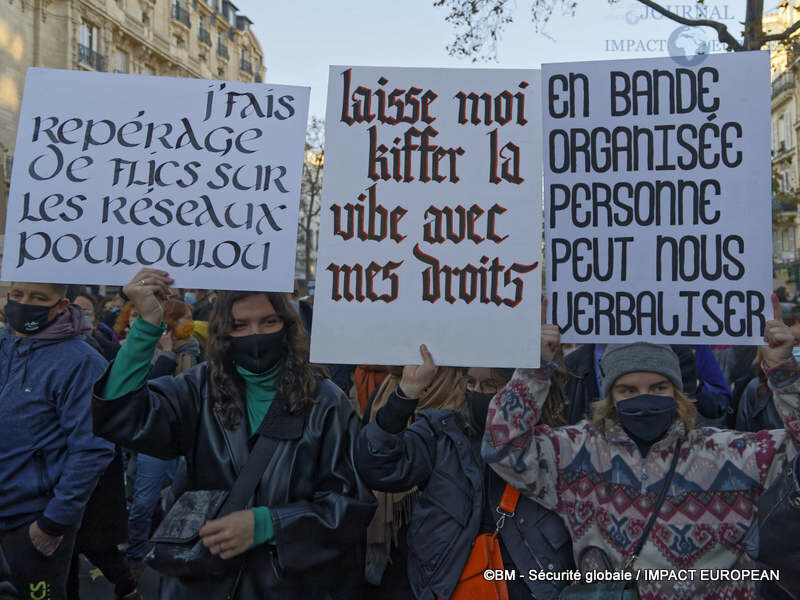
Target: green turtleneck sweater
260,390
129,372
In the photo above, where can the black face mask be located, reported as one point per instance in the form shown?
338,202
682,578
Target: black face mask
258,352
478,403
28,318
646,416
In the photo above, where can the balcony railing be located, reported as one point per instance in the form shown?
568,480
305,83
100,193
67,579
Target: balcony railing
89,57
246,66
181,14
204,36
782,82
222,50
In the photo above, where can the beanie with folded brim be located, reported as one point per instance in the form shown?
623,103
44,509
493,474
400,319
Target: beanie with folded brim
621,359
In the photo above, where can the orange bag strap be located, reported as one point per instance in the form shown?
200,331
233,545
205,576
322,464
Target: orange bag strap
507,506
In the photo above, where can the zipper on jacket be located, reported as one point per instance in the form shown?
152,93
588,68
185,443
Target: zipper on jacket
644,478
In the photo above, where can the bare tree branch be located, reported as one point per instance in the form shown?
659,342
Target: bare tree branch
780,36
722,30
479,23
311,192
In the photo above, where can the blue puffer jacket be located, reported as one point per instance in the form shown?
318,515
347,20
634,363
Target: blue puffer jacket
50,460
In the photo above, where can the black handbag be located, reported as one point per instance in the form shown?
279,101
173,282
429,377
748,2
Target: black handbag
178,550
772,539
621,590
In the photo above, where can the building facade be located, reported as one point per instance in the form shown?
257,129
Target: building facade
785,129
207,39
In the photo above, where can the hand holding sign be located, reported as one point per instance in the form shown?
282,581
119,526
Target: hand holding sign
149,290
417,377
551,336
779,338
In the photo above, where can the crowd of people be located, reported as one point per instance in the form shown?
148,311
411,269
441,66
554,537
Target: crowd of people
155,418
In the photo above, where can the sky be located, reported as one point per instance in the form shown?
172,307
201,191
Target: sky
301,38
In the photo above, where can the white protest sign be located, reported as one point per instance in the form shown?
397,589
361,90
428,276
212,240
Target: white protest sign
430,228
658,199
113,173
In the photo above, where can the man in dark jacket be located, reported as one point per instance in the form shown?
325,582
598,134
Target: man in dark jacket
50,460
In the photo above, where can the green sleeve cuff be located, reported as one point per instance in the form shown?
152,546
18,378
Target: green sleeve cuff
132,364
263,529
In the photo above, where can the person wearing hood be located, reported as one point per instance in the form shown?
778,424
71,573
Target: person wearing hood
303,535
605,476
421,452
50,461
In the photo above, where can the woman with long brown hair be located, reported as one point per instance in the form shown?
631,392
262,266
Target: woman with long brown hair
303,537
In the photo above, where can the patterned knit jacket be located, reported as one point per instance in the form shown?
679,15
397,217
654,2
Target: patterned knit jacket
605,492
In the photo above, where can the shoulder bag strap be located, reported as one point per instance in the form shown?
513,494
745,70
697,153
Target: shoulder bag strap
657,508
508,505
245,484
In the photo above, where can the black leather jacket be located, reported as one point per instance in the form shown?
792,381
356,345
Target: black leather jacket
435,453
320,509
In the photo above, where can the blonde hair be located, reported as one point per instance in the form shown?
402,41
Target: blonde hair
604,414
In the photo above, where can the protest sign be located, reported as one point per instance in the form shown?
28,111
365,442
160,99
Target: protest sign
113,173
658,199
430,228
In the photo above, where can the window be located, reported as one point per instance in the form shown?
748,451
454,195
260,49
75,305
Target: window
147,70
777,242
787,125
89,36
221,73
781,132
178,42
120,3
121,62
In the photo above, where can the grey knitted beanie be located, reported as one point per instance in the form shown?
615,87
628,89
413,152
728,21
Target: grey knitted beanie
621,359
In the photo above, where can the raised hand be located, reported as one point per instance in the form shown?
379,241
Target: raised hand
417,377
149,291
551,336
779,338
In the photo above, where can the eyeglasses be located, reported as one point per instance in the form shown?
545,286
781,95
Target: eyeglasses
484,386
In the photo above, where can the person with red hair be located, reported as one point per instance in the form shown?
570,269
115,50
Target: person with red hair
125,318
